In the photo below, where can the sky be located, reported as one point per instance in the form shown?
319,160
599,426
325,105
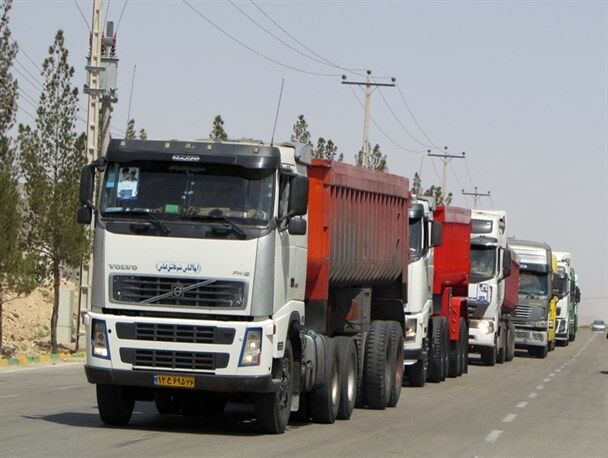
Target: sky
521,87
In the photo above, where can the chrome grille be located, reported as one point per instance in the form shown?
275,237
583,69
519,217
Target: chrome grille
522,312
189,292
175,333
177,360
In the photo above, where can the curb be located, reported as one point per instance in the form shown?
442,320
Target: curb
23,360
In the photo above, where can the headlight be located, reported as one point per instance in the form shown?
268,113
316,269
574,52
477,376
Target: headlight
485,326
410,329
252,348
99,340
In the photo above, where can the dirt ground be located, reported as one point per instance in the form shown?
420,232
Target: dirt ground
27,322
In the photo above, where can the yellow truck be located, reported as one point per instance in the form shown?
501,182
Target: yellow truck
552,318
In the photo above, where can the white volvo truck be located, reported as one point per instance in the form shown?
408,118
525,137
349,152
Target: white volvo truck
562,284
216,279
492,330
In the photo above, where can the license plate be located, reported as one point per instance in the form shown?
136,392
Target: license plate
174,381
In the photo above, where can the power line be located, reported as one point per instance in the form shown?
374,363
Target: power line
466,199
327,61
34,85
414,117
82,15
120,17
37,66
19,108
389,138
466,163
256,52
105,19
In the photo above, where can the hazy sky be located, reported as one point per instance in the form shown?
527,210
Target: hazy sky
522,87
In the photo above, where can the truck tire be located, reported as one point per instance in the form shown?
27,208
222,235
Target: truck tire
348,369
359,345
436,360
378,366
446,348
454,358
416,374
511,344
571,337
464,347
566,342
272,409
325,401
488,355
397,363
541,352
115,404
166,403
501,349
551,345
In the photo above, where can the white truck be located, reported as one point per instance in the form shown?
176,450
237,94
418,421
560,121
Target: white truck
244,271
492,330
563,283
424,235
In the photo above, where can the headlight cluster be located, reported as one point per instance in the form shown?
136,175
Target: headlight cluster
99,340
484,326
410,329
252,348
539,324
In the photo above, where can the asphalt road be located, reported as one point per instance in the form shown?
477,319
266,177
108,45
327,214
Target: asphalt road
529,407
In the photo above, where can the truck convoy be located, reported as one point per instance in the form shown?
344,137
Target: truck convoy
249,272
494,287
536,299
562,284
436,318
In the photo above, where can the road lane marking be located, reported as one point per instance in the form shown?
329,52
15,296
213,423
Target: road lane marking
69,387
10,396
546,380
558,370
493,436
509,418
540,387
552,374
532,395
522,404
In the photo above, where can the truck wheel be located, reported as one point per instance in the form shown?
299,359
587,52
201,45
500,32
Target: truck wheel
511,344
446,348
571,337
166,403
359,345
566,342
552,345
348,369
436,354
272,409
488,355
378,366
416,374
325,400
464,347
500,351
454,361
541,352
397,363
115,404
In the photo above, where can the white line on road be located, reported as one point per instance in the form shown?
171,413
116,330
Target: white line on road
509,418
493,436
540,387
552,374
532,395
558,370
69,387
546,380
10,396
522,404
42,366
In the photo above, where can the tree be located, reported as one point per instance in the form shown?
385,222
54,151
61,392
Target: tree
300,131
327,150
52,156
143,135
14,267
130,134
375,160
218,133
416,185
433,191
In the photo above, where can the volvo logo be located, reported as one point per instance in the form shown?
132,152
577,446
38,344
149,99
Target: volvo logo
177,290
122,267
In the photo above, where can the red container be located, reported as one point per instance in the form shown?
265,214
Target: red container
453,258
511,298
357,228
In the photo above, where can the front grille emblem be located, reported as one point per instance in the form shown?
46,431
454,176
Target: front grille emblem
177,290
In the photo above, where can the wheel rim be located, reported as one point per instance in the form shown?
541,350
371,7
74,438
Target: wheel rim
335,387
351,382
399,368
387,371
285,379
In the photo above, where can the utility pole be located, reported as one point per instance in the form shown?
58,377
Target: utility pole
476,195
446,158
101,91
370,86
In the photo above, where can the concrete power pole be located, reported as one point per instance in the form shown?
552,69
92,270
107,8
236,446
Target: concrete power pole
101,91
476,195
446,159
370,86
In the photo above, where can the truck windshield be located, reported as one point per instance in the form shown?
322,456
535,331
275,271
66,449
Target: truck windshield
533,283
172,191
483,262
416,240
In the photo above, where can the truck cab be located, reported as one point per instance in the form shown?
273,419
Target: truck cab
491,331
562,284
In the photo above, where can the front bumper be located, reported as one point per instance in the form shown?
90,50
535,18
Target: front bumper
525,337
413,348
479,337
203,382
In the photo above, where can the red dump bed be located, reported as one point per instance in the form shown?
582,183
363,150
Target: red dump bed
453,258
357,228
511,298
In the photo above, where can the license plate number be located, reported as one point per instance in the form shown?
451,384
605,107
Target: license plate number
174,381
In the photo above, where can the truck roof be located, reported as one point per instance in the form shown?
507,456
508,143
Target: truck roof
531,252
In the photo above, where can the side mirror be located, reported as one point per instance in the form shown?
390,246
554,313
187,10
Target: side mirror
436,233
84,215
506,263
297,226
86,186
298,196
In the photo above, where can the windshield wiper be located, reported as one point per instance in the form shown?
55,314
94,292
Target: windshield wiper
162,228
220,218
